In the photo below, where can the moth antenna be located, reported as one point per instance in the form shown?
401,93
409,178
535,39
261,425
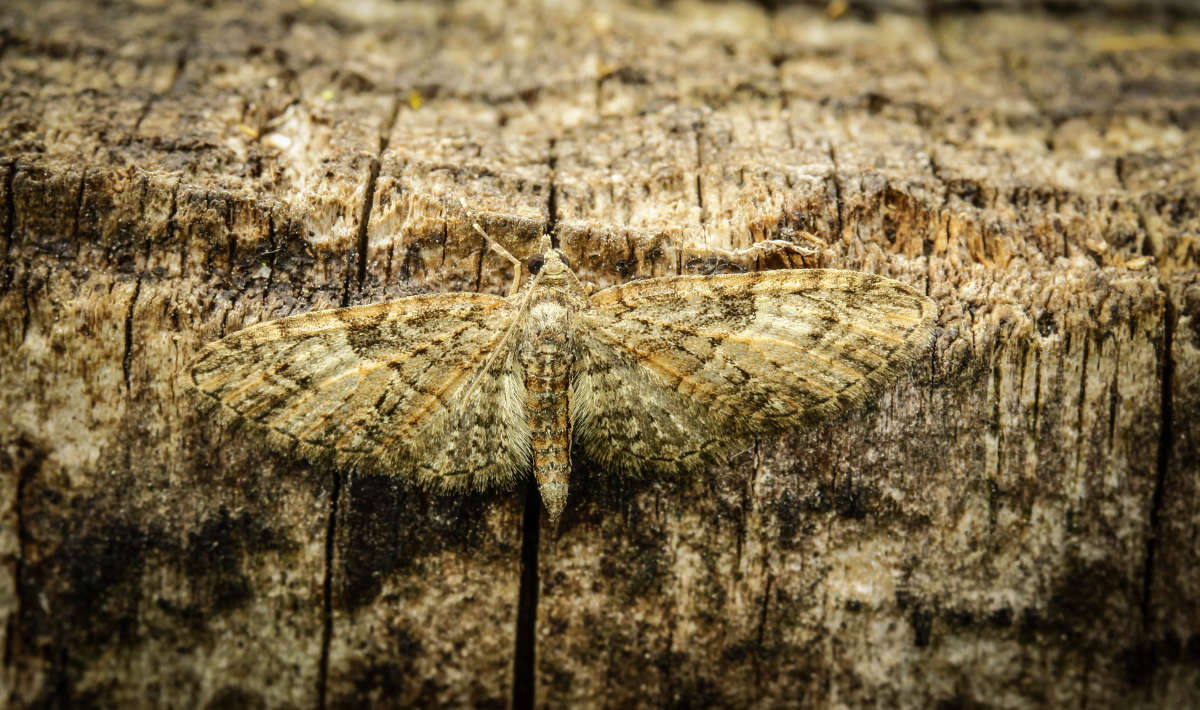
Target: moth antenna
522,307
495,246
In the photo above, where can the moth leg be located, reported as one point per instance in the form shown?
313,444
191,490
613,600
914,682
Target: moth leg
495,246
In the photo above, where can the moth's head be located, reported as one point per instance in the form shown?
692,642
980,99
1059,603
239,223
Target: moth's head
549,263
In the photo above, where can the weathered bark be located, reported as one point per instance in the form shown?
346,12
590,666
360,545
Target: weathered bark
1014,525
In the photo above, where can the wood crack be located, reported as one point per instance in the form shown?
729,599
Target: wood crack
363,222
837,191
273,241
181,60
25,473
525,655
1166,433
78,203
552,197
368,204
26,308
1081,409
10,206
760,633
127,356
699,135
327,593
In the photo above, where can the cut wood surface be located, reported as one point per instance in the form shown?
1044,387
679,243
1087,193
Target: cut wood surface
1013,524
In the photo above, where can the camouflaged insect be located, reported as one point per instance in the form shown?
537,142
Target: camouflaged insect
466,391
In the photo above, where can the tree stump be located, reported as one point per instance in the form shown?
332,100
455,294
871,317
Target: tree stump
1013,524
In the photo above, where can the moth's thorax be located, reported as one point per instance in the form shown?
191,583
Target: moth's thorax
547,317
555,298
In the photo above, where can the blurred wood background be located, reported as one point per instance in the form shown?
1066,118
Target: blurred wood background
1014,524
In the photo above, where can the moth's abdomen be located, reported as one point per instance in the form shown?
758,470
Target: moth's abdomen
546,357
546,400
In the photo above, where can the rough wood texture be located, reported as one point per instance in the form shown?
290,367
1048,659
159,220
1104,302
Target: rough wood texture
1014,525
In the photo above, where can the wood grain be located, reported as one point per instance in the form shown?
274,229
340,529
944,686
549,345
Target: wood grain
1011,526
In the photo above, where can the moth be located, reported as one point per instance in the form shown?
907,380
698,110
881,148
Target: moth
468,391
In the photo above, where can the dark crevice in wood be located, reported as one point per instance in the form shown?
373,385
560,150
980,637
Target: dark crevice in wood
997,396
1144,234
927,242
242,116
524,659
180,62
10,206
1114,396
59,661
26,309
272,241
385,137
231,253
598,94
740,543
445,243
837,191
1037,393
668,671
143,112
699,167
1082,404
78,203
387,271
127,356
934,23
478,264
1166,432
25,473
223,330
369,200
327,592
363,222
631,249
173,230
760,636
552,197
